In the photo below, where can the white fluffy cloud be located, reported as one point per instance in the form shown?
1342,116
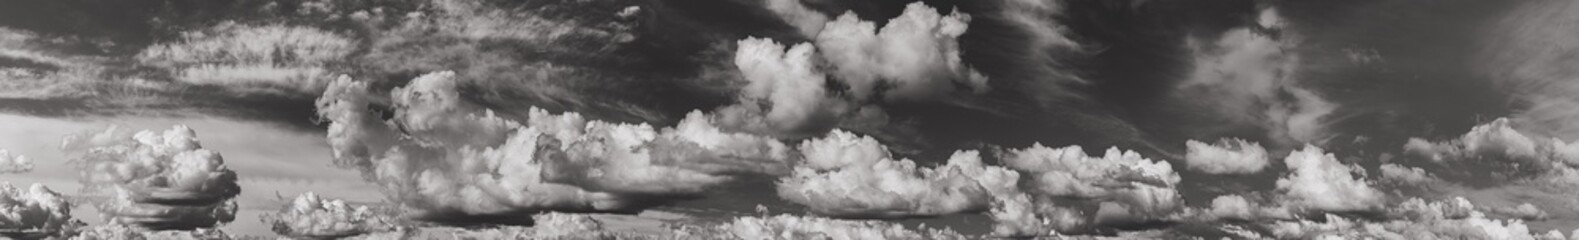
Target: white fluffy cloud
849,176
1240,208
793,227
35,212
444,156
1229,156
309,216
1498,149
1245,72
1117,187
156,180
1318,182
785,91
12,163
268,56
914,53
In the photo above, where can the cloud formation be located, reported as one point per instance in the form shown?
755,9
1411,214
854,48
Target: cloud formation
309,216
1497,150
1414,219
295,59
35,212
445,157
794,227
851,176
1529,56
1250,74
1318,182
156,180
851,66
13,163
1228,156
914,55
785,92
1119,187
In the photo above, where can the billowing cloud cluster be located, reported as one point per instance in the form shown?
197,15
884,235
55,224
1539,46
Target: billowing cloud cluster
32,213
1250,74
12,163
291,58
914,57
1118,187
793,227
309,216
156,180
1497,150
444,156
1229,156
1414,219
846,175
1318,182
785,92
914,54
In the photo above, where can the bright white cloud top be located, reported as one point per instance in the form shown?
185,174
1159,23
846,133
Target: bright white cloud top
1229,156
1117,187
311,216
1318,182
156,180
846,175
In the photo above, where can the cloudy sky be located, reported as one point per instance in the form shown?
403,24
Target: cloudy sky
1397,119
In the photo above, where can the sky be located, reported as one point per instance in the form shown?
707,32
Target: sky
1393,119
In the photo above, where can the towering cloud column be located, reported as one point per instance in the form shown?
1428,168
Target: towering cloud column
156,180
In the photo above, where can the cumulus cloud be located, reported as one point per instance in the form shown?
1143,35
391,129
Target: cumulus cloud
309,216
796,227
1497,149
292,58
785,91
1144,184
1019,215
1240,208
1414,219
1249,73
1119,187
1228,156
1318,182
1406,175
35,212
156,180
444,156
846,176
914,54
12,163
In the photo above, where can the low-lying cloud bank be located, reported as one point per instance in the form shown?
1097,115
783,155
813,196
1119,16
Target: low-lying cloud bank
443,156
